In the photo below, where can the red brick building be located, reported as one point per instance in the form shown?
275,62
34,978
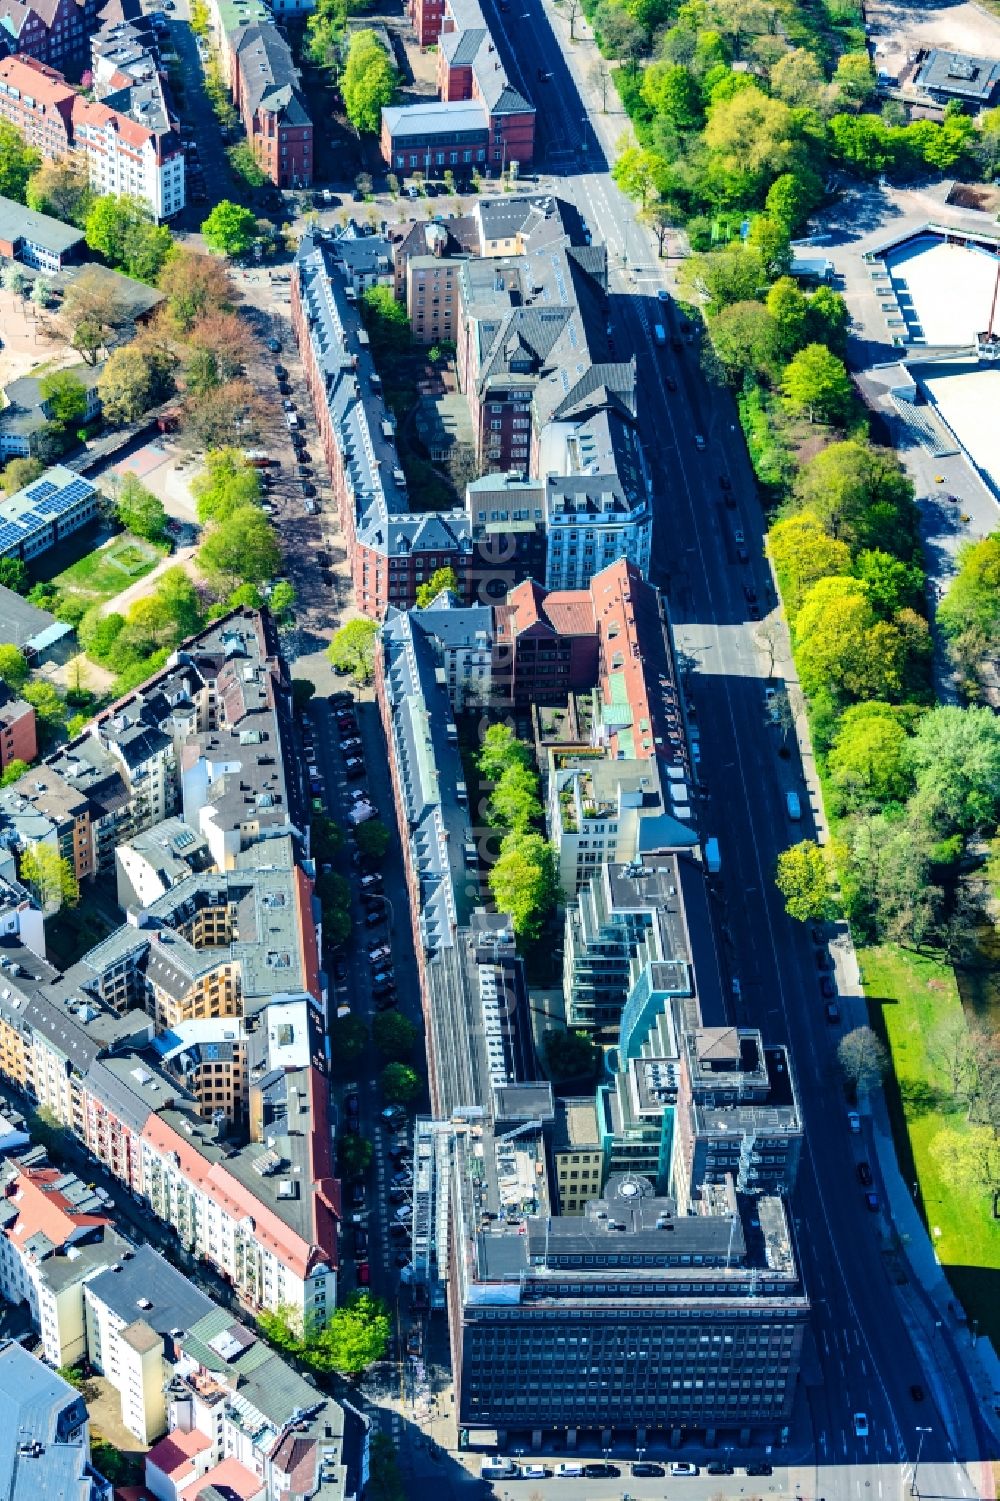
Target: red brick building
267,92
18,741
38,102
545,644
54,31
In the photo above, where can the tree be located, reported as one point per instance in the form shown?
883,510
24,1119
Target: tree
969,614
570,1055
222,415
863,1059
352,649
525,882
803,553
792,197
722,277
745,339
243,548
394,1035
50,877
18,474
13,573
281,601
501,749
828,320
955,757
788,306
862,494
65,397
61,188
110,222
951,1049
354,1155
386,320
227,484
516,803
671,90
891,584
13,667
441,580
797,78
134,378
139,511
372,839
843,647
750,138
196,286
17,162
356,1336
217,345
400,1083
177,597
369,81
970,1159
13,772
868,762
229,229
92,311
804,879
816,382
50,710
348,1040
640,173
600,78
385,1483
854,78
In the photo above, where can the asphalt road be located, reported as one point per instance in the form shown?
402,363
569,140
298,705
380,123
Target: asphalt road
863,1359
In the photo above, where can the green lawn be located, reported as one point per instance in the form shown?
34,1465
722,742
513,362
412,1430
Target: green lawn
909,996
108,570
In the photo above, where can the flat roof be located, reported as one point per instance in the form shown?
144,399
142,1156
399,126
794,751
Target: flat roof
944,290
20,223
438,117
968,399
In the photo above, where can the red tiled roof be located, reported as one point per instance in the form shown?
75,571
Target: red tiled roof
571,612
30,76
42,1209
230,1478
174,1453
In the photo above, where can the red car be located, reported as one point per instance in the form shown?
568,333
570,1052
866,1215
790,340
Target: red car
364,1274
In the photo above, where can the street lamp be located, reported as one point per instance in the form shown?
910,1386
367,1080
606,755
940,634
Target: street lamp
916,1463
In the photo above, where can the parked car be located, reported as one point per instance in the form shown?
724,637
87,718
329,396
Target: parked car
360,1239
864,1173
719,1467
352,1103
832,1012
379,953
383,977
682,1467
827,989
759,1468
385,999
872,1201
357,1195
861,1424
647,1468
274,346
364,1274
354,767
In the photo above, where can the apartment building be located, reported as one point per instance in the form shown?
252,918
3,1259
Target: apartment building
549,642
577,1155
482,120
461,638
128,139
44,1435
18,737
53,31
55,1233
26,414
267,92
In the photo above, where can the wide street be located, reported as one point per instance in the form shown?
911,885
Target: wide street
863,1359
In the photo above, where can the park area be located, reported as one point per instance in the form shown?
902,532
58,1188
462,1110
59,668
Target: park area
913,997
109,570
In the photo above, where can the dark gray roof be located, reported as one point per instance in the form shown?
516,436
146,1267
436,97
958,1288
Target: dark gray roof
38,1407
147,1287
270,78
460,47
21,622
20,223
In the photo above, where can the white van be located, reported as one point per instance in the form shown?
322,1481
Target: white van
495,1468
659,333
569,1471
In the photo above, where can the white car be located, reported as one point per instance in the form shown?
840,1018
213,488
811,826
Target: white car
534,1472
681,1467
861,1425
854,1125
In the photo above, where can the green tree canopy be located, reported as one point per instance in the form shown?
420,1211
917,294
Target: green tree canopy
955,756
134,379
868,762
843,646
816,383
385,320
722,277
803,553
750,139
17,474
804,879
352,649
570,1055
229,229
14,575
442,579
516,801
228,484
969,1158
862,494
890,584
49,876
863,1058
500,749
65,397
671,90
400,1083
745,339
13,772
17,162
369,81
13,667
61,188
969,614
394,1035
139,511
348,1040
525,882
641,174
354,1155
372,839
244,548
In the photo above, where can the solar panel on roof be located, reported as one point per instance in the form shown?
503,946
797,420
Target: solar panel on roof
10,534
44,488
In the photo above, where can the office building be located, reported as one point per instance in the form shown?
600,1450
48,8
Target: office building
49,509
